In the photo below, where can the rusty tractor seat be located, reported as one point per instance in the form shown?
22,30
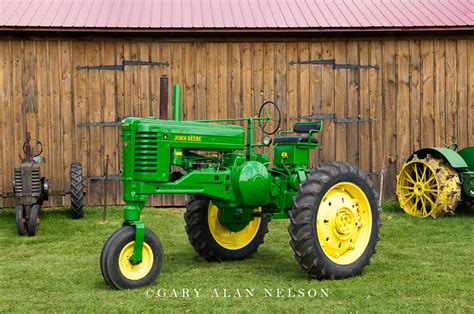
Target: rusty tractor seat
301,127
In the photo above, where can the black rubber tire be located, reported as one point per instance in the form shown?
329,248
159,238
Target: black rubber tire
21,224
109,258
302,229
203,242
33,221
77,191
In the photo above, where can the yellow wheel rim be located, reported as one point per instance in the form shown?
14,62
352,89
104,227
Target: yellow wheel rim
228,239
419,188
139,271
344,223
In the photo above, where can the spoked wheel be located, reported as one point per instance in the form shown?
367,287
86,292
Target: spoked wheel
116,267
428,187
215,242
77,191
34,221
335,222
21,223
270,111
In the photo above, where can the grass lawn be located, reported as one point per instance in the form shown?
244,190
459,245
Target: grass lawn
421,265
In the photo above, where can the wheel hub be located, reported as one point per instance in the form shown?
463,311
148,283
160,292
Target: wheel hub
344,222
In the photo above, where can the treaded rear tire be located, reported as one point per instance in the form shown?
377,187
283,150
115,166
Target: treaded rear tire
200,236
33,222
77,191
21,224
304,237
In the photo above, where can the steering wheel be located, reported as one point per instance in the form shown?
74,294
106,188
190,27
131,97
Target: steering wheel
35,150
270,111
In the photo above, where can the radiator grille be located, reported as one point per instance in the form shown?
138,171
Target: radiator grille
146,149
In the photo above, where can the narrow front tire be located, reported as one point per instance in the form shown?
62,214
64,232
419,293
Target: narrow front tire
118,272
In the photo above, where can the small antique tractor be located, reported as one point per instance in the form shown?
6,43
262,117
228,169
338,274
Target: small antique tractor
434,180
31,189
234,192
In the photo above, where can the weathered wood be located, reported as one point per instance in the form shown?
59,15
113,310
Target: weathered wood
422,94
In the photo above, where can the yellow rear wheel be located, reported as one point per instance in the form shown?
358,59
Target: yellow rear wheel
428,187
228,239
344,223
213,241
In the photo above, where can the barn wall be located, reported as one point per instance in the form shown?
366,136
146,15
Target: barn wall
422,94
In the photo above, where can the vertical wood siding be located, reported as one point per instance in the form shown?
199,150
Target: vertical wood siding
422,94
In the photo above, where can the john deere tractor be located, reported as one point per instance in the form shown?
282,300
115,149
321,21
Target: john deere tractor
234,192
434,180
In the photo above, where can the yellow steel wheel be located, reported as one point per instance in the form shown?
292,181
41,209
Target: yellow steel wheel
344,223
139,271
428,187
228,239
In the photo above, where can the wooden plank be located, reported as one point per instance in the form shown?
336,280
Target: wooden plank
365,142
280,78
67,114
440,92
328,86
353,103
304,88
95,99
268,85
109,135
235,86
291,85
29,88
462,100
223,80
189,81
403,102
247,91
257,81
451,92
376,108
201,81
79,78
120,106
212,81
340,101
415,94
389,105
470,79
315,93
5,121
143,81
428,126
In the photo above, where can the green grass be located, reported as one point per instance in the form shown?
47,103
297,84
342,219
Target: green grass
421,265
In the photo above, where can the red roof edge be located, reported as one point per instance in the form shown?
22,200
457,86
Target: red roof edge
238,30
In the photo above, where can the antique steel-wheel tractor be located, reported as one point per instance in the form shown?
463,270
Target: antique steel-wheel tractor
434,180
31,189
234,192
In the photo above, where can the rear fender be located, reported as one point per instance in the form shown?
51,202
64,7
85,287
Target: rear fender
452,157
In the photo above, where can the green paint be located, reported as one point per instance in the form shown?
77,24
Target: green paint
235,176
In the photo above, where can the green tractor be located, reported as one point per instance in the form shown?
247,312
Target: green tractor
434,180
234,192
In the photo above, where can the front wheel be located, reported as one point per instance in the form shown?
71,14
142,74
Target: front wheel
335,222
21,222
118,272
34,221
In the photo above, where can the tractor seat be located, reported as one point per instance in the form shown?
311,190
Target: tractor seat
295,139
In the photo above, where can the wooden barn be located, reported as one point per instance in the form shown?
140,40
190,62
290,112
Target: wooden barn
387,77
